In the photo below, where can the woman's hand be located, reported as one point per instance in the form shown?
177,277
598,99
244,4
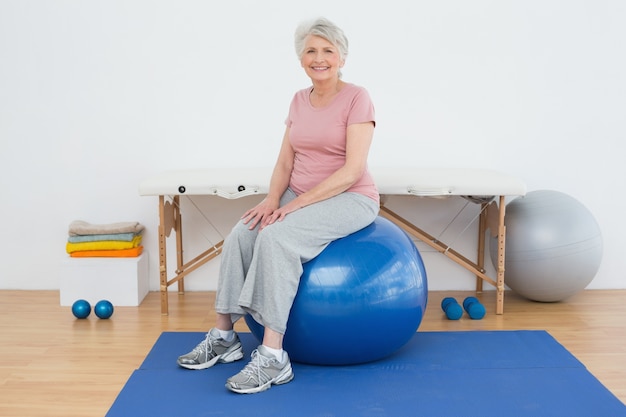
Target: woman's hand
280,213
259,213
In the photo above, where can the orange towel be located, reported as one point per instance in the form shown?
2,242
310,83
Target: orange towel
116,253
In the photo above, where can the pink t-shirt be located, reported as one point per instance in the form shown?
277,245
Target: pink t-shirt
318,137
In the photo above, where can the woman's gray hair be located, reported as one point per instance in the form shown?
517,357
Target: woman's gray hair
323,28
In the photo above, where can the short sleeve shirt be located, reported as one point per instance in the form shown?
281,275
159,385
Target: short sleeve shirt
318,137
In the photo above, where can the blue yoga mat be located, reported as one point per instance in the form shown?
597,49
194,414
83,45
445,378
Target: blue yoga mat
495,373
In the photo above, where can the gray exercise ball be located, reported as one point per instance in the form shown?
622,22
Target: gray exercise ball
553,246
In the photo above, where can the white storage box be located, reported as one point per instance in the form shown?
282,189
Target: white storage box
122,281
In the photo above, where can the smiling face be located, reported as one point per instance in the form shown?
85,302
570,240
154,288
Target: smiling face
321,59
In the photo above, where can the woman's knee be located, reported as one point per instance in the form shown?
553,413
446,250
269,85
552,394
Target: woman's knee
242,233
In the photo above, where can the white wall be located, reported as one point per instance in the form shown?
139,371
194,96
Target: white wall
97,95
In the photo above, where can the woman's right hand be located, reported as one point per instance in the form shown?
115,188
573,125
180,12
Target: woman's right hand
259,213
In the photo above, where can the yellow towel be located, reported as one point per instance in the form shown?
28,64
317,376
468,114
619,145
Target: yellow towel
120,253
103,245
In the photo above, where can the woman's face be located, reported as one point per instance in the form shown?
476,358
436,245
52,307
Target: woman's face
320,59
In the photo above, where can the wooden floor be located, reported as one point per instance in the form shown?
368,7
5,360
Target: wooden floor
52,364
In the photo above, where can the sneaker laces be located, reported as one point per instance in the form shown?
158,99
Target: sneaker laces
254,367
206,346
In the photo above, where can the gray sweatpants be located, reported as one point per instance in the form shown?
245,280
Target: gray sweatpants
260,272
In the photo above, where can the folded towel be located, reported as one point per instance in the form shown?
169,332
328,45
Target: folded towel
103,245
120,253
126,237
79,227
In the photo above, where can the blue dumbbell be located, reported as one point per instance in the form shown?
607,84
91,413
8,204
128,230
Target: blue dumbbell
474,308
452,308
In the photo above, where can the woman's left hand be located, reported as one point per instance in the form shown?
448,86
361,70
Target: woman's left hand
279,214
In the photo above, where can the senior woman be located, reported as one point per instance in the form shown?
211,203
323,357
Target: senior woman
320,190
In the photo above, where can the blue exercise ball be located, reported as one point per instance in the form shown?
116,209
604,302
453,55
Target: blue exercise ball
103,309
359,300
553,246
81,309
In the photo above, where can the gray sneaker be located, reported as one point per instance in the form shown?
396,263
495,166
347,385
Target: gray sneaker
260,373
211,350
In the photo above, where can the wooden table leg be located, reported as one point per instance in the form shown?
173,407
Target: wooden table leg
170,218
178,226
163,256
482,229
501,254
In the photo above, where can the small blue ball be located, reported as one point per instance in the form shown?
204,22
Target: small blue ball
81,309
474,308
468,301
452,308
476,311
454,311
103,309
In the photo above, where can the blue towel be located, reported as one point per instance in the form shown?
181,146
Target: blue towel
126,237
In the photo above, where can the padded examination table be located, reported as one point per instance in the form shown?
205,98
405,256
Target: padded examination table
484,187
